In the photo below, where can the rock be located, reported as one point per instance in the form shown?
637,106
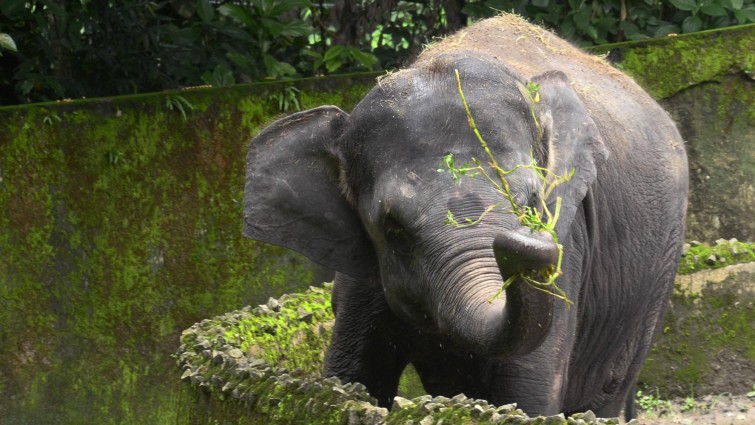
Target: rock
588,416
695,243
235,353
432,406
459,398
402,403
273,305
427,420
555,420
203,345
477,411
711,260
422,399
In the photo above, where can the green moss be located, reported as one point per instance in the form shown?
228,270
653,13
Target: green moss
707,335
294,335
669,65
699,256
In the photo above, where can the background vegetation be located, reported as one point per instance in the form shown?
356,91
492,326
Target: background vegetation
58,49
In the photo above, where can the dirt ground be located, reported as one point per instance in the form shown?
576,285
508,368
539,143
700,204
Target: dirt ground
724,409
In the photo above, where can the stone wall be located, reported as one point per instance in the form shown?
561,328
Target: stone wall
705,81
120,227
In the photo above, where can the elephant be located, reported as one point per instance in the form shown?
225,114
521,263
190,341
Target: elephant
362,194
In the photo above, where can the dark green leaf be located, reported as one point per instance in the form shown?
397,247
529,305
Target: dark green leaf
296,28
334,52
582,19
665,30
281,7
691,24
238,13
333,65
365,59
276,68
734,4
273,26
745,15
205,11
221,76
687,5
713,9
540,3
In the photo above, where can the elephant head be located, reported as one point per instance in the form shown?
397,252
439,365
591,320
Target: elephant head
362,195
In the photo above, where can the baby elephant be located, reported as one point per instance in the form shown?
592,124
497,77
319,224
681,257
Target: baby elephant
583,150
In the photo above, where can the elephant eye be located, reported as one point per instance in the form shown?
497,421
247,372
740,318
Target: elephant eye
397,237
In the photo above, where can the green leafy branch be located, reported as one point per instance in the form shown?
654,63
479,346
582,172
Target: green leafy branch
178,102
537,219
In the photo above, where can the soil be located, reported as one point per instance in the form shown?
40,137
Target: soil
724,409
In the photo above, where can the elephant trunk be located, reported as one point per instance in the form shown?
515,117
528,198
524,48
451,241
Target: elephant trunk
517,323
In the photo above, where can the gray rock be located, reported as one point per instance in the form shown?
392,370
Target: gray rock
274,305
402,403
235,353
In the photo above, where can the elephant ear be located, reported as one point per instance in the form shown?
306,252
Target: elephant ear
571,142
292,196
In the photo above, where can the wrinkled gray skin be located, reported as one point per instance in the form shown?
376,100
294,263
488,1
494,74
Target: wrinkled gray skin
361,194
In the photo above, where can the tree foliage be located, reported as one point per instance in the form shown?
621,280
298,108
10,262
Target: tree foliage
57,49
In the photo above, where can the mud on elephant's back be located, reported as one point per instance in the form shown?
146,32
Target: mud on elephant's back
263,364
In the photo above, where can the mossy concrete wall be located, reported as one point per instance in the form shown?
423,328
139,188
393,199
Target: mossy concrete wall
120,225
707,344
705,81
120,221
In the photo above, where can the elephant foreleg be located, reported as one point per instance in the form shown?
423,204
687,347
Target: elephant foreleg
367,343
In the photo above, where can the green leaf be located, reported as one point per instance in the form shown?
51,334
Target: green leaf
540,3
713,9
281,7
276,68
688,5
238,13
273,26
582,19
221,76
333,65
365,59
734,4
745,15
7,43
665,30
295,28
205,11
691,24
334,52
